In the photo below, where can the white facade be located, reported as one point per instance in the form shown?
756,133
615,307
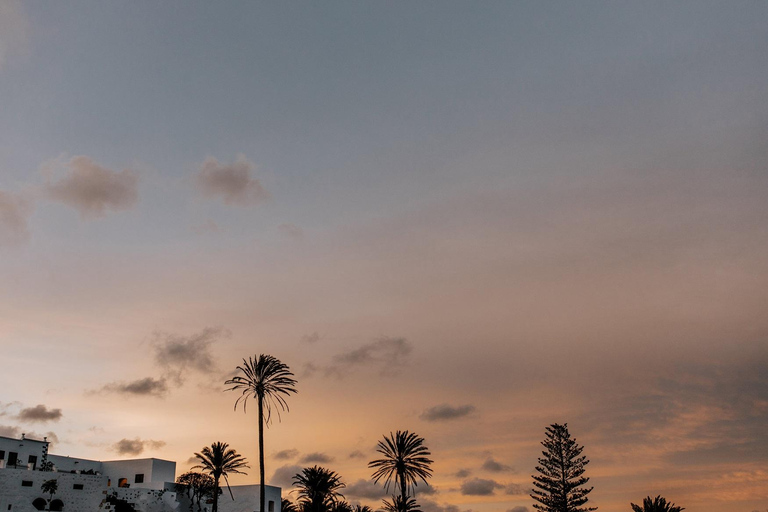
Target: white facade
85,485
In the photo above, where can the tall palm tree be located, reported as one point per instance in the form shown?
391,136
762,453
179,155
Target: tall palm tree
405,460
269,381
220,460
318,489
657,504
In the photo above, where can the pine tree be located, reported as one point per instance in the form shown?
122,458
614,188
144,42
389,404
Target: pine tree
559,484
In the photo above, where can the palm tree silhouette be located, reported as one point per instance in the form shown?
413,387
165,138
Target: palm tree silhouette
269,381
405,460
399,505
287,505
657,504
220,460
50,487
318,489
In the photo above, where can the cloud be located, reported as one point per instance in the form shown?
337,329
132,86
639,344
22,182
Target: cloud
519,508
52,437
142,387
136,446
445,412
516,489
207,228
357,454
479,487
92,189
178,354
463,473
283,476
316,457
14,29
388,354
231,183
10,431
309,370
495,466
14,213
425,490
428,505
286,454
15,432
291,230
310,338
365,489
39,413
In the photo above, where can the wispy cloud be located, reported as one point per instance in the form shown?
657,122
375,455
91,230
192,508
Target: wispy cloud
387,355
479,487
445,412
91,189
147,386
291,230
316,457
136,446
178,355
286,454
310,338
231,183
495,466
9,431
39,413
14,215
283,476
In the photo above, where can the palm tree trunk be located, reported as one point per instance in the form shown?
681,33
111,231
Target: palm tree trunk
402,490
261,453
216,495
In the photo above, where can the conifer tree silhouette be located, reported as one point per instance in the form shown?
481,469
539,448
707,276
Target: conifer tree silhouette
559,484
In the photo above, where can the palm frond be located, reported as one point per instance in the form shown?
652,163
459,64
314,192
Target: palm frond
266,377
405,460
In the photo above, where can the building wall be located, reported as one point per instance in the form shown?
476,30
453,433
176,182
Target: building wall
23,448
67,464
247,498
155,471
20,497
150,500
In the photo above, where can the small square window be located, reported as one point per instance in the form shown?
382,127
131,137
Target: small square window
139,478
26,483
77,487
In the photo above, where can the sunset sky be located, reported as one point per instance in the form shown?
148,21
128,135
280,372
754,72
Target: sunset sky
465,219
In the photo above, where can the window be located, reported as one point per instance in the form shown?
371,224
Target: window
77,487
271,506
2,454
123,482
139,478
26,483
39,504
12,458
33,460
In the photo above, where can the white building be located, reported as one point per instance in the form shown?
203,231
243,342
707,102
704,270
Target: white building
143,485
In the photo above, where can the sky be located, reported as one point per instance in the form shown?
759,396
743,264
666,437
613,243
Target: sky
465,220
